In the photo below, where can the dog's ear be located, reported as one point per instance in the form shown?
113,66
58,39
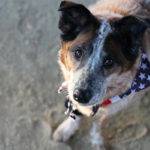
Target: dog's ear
73,19
131,30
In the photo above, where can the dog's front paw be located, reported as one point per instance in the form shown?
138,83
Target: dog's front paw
66,129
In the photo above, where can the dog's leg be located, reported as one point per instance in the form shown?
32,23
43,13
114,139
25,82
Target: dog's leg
97,139
66,129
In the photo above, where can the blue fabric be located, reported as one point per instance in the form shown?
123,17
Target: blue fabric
142,78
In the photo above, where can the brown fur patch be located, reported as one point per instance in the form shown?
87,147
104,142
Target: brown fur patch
65,57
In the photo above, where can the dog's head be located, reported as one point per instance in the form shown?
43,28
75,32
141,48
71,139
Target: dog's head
99,58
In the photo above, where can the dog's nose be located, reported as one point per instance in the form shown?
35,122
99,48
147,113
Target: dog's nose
81,95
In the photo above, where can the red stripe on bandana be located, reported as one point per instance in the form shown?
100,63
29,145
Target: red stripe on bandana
107,102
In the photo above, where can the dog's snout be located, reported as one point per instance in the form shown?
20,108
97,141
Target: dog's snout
82,95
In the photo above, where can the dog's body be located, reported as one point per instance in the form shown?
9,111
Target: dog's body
100,55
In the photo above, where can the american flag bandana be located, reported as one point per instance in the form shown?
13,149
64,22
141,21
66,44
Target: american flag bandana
140,82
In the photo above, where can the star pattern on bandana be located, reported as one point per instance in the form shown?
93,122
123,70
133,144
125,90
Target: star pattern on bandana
144,56
148,78
144,66
141,86
142,78
133,91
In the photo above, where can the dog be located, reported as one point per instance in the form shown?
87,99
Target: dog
105,60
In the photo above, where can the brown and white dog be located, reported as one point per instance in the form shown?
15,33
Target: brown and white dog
99,57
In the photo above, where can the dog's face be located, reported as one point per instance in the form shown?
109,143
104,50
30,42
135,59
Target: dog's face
99,58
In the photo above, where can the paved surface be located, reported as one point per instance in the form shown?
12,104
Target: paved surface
30,108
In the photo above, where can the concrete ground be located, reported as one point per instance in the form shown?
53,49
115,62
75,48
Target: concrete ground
30,108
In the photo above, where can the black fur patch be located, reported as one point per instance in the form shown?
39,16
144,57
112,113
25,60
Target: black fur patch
130,31
74,18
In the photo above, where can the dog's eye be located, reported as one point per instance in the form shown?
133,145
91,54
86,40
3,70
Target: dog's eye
78,53
108,62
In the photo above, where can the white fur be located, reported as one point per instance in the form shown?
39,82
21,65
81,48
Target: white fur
66,129
96,140
104,30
